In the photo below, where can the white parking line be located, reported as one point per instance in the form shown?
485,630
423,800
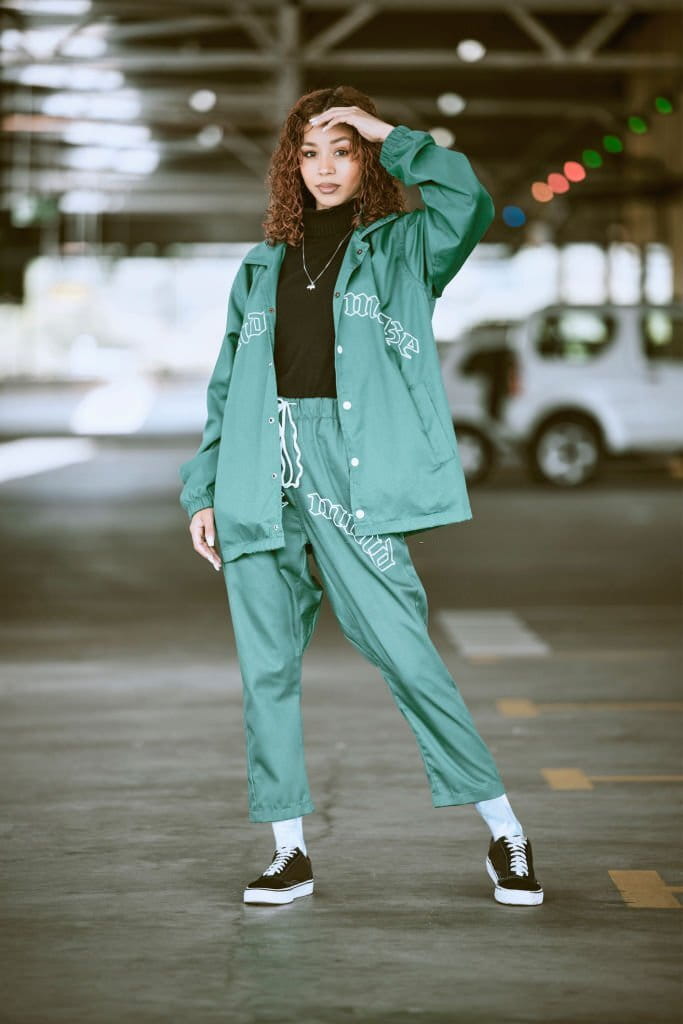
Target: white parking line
486,632
31,455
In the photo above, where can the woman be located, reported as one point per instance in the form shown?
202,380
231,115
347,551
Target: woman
328,431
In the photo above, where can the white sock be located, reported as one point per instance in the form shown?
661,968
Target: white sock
500,817
289,832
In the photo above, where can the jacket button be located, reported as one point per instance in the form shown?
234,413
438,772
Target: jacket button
339,348
275,526
271,419
270,309
359,513
337,294
273,475
359,251
354,461
346,405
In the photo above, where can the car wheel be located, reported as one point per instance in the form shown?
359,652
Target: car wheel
476,454
566,452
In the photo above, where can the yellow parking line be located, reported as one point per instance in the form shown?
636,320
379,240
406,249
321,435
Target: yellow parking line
574,778
646,889
566,778
584,654
513,707
636,778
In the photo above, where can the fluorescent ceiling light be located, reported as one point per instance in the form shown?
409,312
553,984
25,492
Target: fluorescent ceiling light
90,158
83,44
102,158
210,136
450,103
86,133
39,42
123,105
83,201
43,43
136,161
442,136
203,100
470,50
60,76
49,6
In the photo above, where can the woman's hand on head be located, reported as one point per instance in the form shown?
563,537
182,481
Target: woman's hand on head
370,127
203,533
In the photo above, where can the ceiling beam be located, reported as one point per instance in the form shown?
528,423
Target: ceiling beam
289,65
602,29
254,26
537,31
472,6
340,29
169,107
499,60
134,8
434,59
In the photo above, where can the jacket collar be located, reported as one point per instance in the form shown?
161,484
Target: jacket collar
268,254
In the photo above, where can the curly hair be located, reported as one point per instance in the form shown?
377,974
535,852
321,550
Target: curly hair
379,193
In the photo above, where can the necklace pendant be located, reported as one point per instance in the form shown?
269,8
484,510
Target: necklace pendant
310,287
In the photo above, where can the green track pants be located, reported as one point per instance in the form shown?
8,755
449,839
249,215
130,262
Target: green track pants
381,606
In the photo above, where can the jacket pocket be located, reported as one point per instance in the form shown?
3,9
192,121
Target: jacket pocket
440,443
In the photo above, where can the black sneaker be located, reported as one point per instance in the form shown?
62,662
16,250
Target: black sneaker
511,868
288,877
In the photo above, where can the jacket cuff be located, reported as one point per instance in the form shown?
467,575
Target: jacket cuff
398,141
197,504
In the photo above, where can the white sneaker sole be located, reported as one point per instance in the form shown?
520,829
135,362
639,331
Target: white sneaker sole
513,897
278,895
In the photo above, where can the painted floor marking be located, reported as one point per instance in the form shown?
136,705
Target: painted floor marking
646,889
29,455
491,634
519,707
574,778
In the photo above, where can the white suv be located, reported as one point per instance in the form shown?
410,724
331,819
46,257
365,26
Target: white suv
592,381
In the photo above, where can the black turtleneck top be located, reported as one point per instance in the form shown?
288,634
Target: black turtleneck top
304,325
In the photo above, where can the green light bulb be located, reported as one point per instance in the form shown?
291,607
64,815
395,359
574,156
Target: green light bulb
591,158
612,143
637,125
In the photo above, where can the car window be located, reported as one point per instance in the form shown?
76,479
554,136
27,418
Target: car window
662,334
485,361
574,335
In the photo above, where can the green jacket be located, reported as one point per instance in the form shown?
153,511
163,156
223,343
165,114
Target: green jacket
394,413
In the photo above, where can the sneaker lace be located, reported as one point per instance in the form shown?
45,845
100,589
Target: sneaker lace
282,858
517,848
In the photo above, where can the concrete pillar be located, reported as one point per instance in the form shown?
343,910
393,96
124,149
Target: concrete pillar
657,218
289,86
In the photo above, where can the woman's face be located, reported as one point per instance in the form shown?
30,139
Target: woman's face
325,158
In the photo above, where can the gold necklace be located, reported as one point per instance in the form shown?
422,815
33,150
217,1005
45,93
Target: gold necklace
311,286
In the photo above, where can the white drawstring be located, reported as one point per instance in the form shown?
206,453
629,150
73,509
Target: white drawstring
286,466
516,846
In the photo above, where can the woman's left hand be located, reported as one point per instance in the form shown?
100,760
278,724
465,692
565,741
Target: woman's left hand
371,128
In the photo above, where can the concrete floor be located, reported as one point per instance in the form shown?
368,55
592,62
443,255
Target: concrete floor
125,839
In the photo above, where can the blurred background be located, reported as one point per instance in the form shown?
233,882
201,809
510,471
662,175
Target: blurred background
135,141
136,138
